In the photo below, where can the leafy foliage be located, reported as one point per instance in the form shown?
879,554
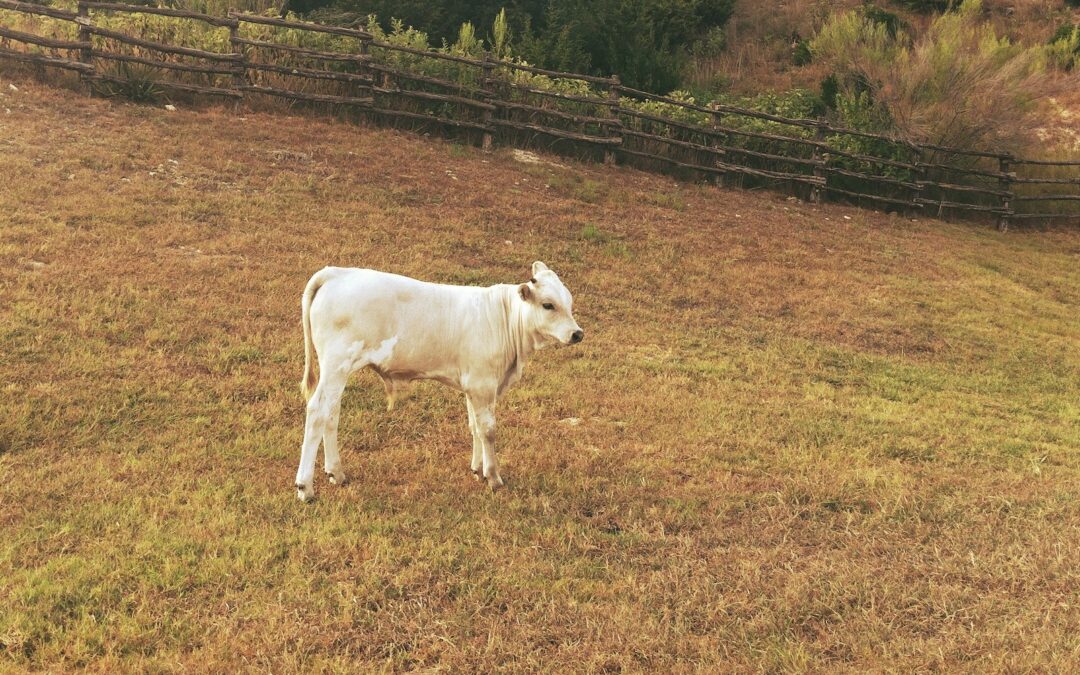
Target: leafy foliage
670,111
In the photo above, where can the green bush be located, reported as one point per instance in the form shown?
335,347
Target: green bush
1064,47
893,24
1064,32
501,36
669,110
830,89
801,53
793,104
136,83
711,44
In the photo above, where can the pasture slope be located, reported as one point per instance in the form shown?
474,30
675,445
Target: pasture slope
807,438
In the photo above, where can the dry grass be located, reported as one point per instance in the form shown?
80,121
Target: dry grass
811,439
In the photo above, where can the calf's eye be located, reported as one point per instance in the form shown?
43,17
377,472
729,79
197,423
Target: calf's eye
548,305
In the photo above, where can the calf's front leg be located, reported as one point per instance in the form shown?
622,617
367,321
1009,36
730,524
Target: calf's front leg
483,406
477,444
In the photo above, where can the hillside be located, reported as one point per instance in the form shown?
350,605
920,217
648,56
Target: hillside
758,52
796,437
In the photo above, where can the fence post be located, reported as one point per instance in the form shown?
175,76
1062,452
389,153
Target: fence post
819,171
83,20
1005,181
613,96
485,82
239,76
920,180
716,178
366,69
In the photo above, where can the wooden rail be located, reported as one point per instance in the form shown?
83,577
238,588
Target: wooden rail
168,65
491,101
299,25
303,51
554,73
303,96
40,10
44,60
40,40
159,11
160,46
179,86
310,73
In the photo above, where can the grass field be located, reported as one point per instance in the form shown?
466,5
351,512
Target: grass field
808,438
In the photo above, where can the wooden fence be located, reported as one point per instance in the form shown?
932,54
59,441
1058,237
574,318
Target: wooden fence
493,100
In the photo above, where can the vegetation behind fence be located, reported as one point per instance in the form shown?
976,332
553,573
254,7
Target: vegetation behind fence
145,52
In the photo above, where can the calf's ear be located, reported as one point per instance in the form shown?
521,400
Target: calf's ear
525,292
538,267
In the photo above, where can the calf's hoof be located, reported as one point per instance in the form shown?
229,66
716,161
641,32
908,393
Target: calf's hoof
305,493
476,474
336,477
495,482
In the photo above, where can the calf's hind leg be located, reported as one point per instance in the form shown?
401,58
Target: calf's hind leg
321,409
331,456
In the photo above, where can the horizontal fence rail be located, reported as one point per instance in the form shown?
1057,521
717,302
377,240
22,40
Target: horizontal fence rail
489,99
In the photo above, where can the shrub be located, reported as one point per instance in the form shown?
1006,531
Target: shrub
135,82
830,88
893,24
958,84
500,36
711,44
854,43
467,43
1064,47
669,110
926,6
1064,32
793,104
801,53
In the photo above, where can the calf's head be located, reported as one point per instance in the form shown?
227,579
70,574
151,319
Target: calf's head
549,308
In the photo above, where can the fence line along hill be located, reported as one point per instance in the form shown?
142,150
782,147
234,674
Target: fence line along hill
146,52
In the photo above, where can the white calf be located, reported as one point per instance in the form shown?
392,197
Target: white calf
476,340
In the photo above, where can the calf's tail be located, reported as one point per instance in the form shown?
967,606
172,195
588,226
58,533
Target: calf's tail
307,384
